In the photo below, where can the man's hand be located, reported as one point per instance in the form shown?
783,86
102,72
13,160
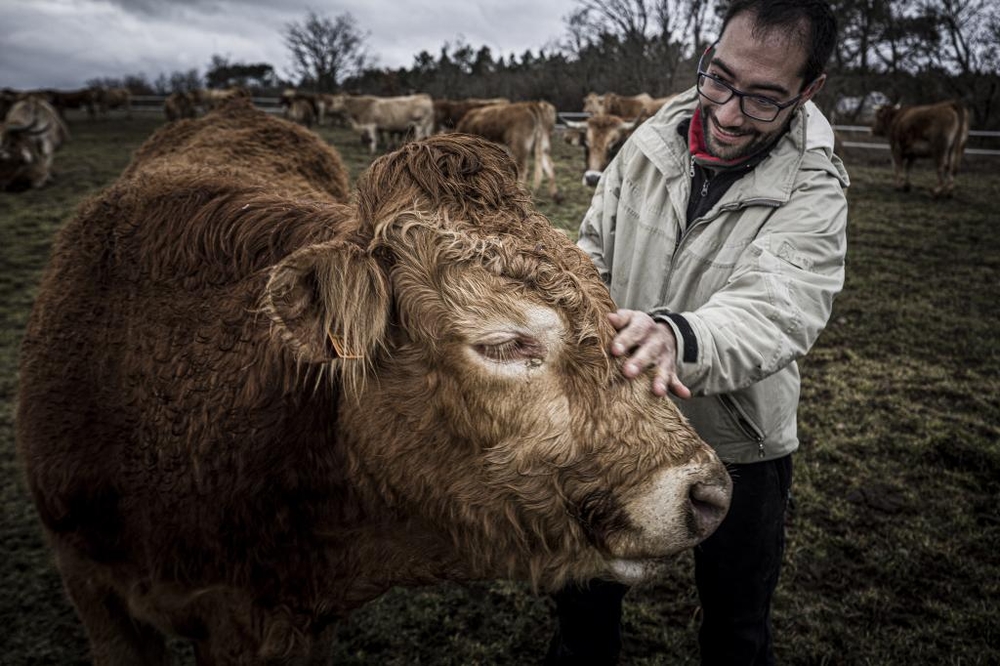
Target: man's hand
648,344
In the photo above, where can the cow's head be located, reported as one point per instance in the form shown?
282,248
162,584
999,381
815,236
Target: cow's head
478,400
593,103
19,154
601,136
884,115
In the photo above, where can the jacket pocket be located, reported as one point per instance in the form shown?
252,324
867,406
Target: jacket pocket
743,421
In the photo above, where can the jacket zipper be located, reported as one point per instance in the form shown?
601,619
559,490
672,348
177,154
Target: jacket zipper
743,421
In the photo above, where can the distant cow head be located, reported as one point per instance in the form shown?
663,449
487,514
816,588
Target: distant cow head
481,399
593,103
883,118
601,136
28,138
18,158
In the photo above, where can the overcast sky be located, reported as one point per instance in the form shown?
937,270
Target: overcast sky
63,43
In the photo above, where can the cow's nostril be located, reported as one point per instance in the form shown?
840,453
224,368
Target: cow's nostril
709,504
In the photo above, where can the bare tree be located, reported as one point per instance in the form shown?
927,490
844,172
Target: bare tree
326,51
969,45
642,42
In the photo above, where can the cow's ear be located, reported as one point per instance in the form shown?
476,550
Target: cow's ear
329,301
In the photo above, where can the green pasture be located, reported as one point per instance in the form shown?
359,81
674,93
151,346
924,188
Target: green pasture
894,541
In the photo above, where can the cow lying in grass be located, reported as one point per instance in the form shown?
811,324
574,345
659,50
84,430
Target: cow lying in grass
248,406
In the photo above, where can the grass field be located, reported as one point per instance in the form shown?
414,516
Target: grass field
894,542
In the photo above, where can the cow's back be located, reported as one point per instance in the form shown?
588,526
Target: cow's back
148,372
282,153
500,123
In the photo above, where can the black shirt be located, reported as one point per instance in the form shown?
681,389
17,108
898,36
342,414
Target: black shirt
709,184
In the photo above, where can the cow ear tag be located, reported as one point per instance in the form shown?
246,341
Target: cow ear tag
338,346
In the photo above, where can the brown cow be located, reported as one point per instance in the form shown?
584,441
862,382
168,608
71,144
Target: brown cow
246,406
29,137
63,100
627,107
939,131
601,137
525,129
179,105
113,98
302,111
447,112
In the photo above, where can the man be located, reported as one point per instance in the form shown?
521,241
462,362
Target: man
720,229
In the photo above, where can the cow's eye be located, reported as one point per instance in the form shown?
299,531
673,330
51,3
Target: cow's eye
508,350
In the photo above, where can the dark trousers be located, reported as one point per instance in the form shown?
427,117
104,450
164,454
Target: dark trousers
736,571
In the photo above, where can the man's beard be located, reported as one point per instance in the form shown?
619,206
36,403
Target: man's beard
759,140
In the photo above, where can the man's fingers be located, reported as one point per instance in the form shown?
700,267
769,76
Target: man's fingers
666,381
677,388
633,330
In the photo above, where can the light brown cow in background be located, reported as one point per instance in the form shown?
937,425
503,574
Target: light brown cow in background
30,135
525,129
601,137
410,116
939,131
209,98
249,403
627,107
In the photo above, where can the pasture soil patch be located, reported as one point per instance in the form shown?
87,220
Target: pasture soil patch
894,540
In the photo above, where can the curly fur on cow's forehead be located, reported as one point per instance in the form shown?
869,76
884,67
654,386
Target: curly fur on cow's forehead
469,179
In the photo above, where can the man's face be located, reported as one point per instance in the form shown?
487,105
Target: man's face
767,64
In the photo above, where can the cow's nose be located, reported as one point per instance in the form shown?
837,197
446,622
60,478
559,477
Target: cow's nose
591,177
709,504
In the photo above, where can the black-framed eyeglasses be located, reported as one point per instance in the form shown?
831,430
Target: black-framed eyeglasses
758,107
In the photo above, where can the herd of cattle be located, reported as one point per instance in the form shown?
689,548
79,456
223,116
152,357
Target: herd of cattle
34,127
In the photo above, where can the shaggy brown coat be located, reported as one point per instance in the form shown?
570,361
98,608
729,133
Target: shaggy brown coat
939,131
247,406
525,129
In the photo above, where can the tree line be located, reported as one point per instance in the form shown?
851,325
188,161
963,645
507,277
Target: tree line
914,51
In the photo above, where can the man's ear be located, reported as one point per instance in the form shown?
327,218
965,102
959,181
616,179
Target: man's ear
329,301
813,88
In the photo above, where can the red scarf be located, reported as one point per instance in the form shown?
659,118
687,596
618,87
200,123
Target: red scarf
698,149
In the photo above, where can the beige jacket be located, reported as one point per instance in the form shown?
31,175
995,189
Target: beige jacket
747,288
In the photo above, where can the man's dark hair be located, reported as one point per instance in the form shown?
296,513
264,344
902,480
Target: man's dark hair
812,20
